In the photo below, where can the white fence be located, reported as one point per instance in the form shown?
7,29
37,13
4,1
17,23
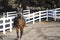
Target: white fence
56,14
6,21
31,17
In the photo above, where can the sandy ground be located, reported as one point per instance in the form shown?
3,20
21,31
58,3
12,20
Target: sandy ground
37,31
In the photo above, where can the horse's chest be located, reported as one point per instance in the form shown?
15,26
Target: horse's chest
20,22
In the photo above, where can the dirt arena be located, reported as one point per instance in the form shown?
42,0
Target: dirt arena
37,31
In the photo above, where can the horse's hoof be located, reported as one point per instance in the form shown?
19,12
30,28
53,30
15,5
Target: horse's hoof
15,39
17,36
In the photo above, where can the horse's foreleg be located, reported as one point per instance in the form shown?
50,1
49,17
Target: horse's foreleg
17,32
21,32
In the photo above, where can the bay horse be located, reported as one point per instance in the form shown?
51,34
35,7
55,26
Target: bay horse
19,23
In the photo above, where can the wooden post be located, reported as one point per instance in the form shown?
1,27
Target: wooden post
47,15
39,16
11,25
55,15
33,19
3,23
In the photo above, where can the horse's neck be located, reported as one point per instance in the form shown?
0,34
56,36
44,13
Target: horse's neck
19,15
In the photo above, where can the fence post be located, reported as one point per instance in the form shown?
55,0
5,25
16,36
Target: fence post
47,15
3,23
11,25
33,18
7,14
39,16
55,14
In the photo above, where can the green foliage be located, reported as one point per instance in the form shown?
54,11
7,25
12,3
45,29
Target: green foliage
44,3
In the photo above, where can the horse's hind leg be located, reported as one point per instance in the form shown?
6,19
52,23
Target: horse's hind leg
17,31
